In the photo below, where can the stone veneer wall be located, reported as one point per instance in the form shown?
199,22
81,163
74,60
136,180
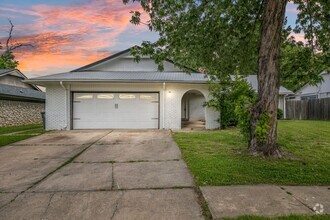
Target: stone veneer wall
20,113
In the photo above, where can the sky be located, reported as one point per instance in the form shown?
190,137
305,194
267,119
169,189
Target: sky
68,34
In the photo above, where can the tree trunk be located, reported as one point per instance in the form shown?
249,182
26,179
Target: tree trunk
268,79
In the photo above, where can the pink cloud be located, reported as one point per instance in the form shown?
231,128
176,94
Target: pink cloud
293,10
71,35
299,37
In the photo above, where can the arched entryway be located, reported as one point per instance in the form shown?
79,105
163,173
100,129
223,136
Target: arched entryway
193,110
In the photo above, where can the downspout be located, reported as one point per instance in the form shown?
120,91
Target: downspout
284,106
164,88
66,106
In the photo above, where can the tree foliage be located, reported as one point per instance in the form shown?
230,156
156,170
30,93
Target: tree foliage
222,37
299,66
215,35
314,22
7,60
301,63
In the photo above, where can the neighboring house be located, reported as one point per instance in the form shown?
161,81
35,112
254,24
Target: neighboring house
20,103
118,93
321,90
252,79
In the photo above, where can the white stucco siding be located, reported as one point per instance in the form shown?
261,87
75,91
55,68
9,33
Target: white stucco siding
127,63
281,102
174,94
192,107
58,115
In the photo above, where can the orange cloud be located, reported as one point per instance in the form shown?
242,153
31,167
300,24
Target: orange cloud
55,61
68,36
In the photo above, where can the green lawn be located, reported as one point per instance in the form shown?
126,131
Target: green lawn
6,130
25,132
218,157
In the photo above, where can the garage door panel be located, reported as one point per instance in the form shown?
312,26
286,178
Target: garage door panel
115,110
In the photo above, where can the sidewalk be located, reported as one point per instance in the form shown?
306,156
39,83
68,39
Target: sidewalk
266,200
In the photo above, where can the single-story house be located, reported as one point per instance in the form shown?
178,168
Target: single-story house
321,90
118,93
20,103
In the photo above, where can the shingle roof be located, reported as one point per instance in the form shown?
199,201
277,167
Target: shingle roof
122,76
23,93
4,71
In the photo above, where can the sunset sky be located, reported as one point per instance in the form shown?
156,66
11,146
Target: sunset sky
71,33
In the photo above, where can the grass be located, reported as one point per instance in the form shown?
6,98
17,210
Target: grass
24,133
219,158
290,217
7,130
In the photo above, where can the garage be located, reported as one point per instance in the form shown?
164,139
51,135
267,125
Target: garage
115,110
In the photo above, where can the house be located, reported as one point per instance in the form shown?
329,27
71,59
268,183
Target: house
321,90
20,103
118,93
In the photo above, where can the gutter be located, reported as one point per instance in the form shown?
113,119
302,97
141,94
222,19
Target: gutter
66,106
114,81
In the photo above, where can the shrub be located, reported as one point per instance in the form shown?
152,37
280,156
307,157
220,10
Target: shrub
279,113
229,95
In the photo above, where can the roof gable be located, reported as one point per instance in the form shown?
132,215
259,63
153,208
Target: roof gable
321,87
16,73
13,72
124,61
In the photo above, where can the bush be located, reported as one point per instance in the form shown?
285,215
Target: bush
279,114
227,95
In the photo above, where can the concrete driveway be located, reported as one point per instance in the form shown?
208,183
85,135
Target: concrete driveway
121,174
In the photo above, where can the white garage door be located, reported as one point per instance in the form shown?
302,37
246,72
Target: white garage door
115,110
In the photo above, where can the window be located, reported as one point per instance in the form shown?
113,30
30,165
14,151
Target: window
84,96
148,96
105,96
127,96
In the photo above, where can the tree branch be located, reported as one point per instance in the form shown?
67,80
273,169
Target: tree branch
10,35
14,47
311,23
10,47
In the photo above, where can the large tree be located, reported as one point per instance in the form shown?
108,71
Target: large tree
226,37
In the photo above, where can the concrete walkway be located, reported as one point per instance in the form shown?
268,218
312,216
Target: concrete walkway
266,200
96,175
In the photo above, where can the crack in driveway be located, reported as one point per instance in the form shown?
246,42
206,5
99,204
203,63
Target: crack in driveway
58,168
